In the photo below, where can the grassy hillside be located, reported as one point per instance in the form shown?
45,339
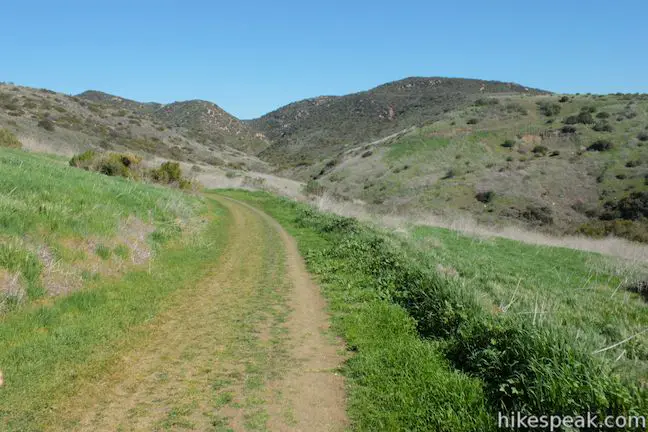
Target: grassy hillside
195,132
305,131
84,259
62,227
562,163
446,330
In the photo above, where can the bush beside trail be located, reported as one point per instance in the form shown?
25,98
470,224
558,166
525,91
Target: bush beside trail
8,139
128,165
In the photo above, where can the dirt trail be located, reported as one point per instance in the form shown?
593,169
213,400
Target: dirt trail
245,349
315,391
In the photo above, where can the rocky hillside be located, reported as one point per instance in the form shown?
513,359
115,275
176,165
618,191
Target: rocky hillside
119,102
204,121
208,123
195,131
305,131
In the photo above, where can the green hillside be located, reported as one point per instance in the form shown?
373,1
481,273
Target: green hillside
561,163
84,259
62,227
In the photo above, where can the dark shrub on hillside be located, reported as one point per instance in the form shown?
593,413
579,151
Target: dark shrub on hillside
568,129
515,107
583,118
8,139
117,164
538,214
47,124
554,153
643,136
601,145
563,99
168,172
540,150
603,115
631,207
451,173
367,154
640,287
472,121
508,143
111,164
486,101
603,127
313,187
631,230
83,160
549,109
485,196
633,163
588,109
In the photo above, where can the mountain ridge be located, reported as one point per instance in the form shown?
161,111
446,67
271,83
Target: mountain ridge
328,124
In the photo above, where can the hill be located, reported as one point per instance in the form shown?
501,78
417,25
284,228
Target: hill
193,132
497,152
210,124
119,102
559,163
320,127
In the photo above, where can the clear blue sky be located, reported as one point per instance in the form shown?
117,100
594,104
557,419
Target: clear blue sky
252,57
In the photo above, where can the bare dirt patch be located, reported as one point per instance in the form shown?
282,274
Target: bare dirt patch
313,385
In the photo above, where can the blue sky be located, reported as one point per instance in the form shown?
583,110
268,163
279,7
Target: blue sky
252,57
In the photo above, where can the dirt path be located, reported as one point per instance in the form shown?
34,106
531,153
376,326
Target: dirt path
246,349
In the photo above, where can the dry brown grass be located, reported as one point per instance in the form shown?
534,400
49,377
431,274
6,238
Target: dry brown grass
60,277
612,246
10,288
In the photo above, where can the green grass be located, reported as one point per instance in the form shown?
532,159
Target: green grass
414,145
581,293
43,201
47,350
50,346
432,352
